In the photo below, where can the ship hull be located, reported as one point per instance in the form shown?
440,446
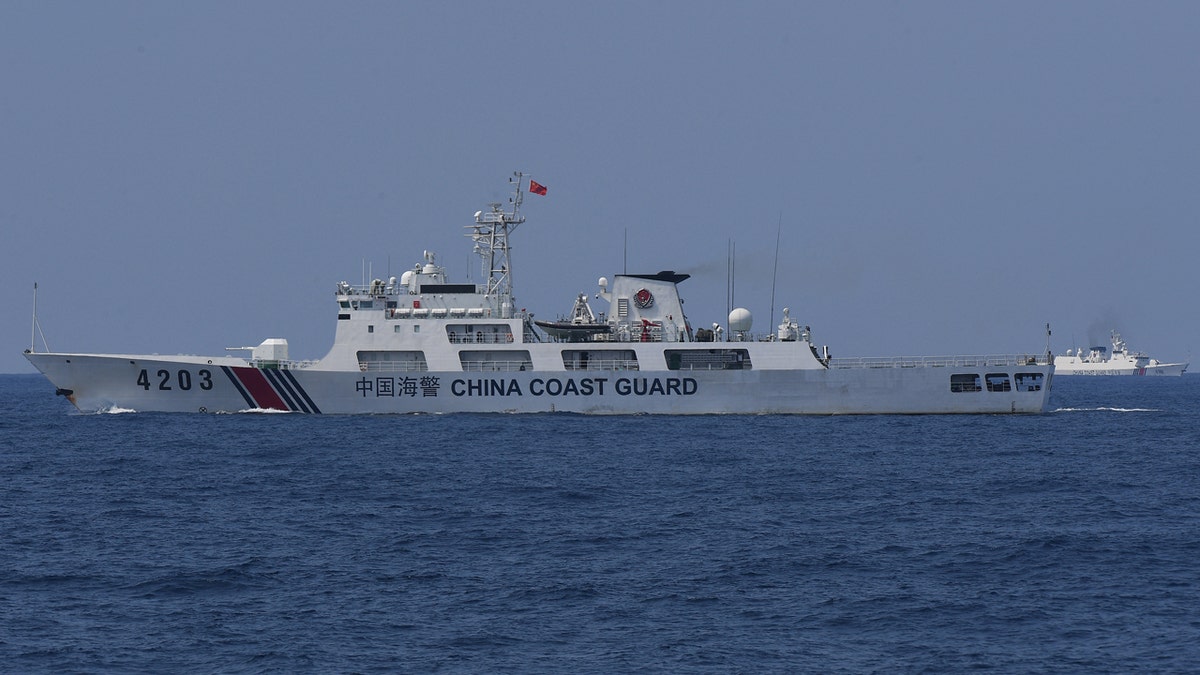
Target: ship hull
95,383
1106,369
423,343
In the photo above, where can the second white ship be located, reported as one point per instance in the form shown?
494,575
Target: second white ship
1120,361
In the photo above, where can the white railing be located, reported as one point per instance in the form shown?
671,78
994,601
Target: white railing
285,364
392,366
376,290
985,361
716,365
603,364
496,366
480,338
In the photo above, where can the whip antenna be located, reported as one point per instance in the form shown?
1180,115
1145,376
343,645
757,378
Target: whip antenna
36,328
775,271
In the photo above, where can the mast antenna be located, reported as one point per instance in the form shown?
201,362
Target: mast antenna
36,328
730,256
775,271
490,234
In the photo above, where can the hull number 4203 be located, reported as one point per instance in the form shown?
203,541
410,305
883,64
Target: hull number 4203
165,380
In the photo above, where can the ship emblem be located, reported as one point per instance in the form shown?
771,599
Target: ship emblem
643,299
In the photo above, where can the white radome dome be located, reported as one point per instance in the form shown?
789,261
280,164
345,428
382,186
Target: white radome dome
740,319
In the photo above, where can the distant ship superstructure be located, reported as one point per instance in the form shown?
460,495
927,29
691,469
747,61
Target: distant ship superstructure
1121,361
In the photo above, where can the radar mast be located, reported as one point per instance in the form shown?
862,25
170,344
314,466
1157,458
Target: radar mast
490,234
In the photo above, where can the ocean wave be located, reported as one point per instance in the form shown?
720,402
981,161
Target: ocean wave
1107,409
115,410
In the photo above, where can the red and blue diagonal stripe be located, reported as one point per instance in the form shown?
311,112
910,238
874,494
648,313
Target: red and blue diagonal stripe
270,389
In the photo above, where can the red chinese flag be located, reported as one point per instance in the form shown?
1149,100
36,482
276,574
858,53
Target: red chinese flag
537,188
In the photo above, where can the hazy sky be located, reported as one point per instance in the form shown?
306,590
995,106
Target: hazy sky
950,176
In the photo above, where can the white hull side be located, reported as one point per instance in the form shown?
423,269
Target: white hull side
1068,366
202,384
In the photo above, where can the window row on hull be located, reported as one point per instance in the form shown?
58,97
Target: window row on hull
501,360
510,360
966,383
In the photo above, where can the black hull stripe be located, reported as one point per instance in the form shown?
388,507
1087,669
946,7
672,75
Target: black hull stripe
287,374
238,385
284,391
296,391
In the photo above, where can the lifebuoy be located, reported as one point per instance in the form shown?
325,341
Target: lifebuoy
509,337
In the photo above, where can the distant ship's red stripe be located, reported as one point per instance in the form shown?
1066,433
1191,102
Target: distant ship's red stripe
256,383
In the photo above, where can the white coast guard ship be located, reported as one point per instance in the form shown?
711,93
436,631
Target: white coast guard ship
1121,361
422,343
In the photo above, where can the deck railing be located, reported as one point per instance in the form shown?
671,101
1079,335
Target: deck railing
603,364
496,366
393,366
480,338
284,364
984,361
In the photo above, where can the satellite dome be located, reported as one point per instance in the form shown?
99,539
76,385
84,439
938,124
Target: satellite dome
740,320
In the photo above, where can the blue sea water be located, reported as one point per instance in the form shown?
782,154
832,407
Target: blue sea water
1066,542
